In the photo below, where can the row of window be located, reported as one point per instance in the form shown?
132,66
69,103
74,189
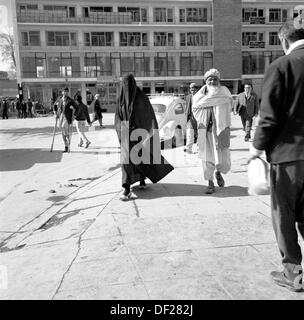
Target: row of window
96,64
252,38
257,15
106,39
137,14
138,39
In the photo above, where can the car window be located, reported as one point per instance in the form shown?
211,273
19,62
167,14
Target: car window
159,108
179,109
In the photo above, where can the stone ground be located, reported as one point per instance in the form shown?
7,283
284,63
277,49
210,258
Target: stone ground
65,234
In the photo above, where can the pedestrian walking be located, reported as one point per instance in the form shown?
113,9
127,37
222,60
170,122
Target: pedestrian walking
23,109
97,112
5,107
191,127
29,107
280,133
212,110
81,116
65,112
19,108
247,106
135,117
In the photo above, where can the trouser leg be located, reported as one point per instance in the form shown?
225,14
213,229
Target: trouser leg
248,126
208,161
283,207
243,119
65,132
80,126
189,136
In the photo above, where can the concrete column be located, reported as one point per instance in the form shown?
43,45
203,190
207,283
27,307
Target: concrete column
83,92
43,38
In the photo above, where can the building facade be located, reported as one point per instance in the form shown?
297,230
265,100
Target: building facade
89,45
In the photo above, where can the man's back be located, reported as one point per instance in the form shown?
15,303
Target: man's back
281,130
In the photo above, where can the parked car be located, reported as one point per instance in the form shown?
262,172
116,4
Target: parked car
170,114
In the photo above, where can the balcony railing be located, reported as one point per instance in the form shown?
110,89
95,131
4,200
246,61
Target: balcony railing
257,20
37,16
107,75
256,44
61,17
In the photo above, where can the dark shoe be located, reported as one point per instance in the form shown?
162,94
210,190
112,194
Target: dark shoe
80,143
142,185
247,137
295,285
127,195
219,179
87,144
66,149
211,188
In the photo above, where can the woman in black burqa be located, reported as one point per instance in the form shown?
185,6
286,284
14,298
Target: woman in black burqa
134,111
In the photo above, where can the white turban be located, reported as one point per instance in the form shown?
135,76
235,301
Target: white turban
212,73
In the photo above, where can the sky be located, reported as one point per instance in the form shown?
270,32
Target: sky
5,24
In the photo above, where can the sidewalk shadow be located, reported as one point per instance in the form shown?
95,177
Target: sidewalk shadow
23,159
154,191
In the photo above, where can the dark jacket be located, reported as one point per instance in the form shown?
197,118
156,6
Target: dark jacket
67,108
188,111
248,106
82,112
281,127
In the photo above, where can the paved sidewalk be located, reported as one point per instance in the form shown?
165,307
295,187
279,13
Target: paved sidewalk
172,242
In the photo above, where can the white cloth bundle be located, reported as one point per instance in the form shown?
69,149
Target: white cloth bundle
258,177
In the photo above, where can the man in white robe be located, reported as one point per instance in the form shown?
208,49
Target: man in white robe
212,106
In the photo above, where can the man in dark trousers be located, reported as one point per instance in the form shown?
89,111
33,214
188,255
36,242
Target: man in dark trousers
191,122
29,107
65,112
247,106
280,133
5,109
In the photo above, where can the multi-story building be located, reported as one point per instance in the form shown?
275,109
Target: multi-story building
89,44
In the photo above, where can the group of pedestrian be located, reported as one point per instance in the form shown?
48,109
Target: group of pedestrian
25,109
280,132
67,109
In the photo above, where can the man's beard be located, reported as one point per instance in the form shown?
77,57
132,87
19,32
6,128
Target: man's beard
212,89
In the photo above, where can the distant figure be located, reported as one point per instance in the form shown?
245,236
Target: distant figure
191,122
135,115
81,116
29,107
280,133
212,110
97,114
247,106
5,107
19,108
23,109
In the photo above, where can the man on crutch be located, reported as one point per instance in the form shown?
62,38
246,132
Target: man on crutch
65,110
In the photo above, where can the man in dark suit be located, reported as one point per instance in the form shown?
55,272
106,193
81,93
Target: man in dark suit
280,133
65,112
247,106
191,122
